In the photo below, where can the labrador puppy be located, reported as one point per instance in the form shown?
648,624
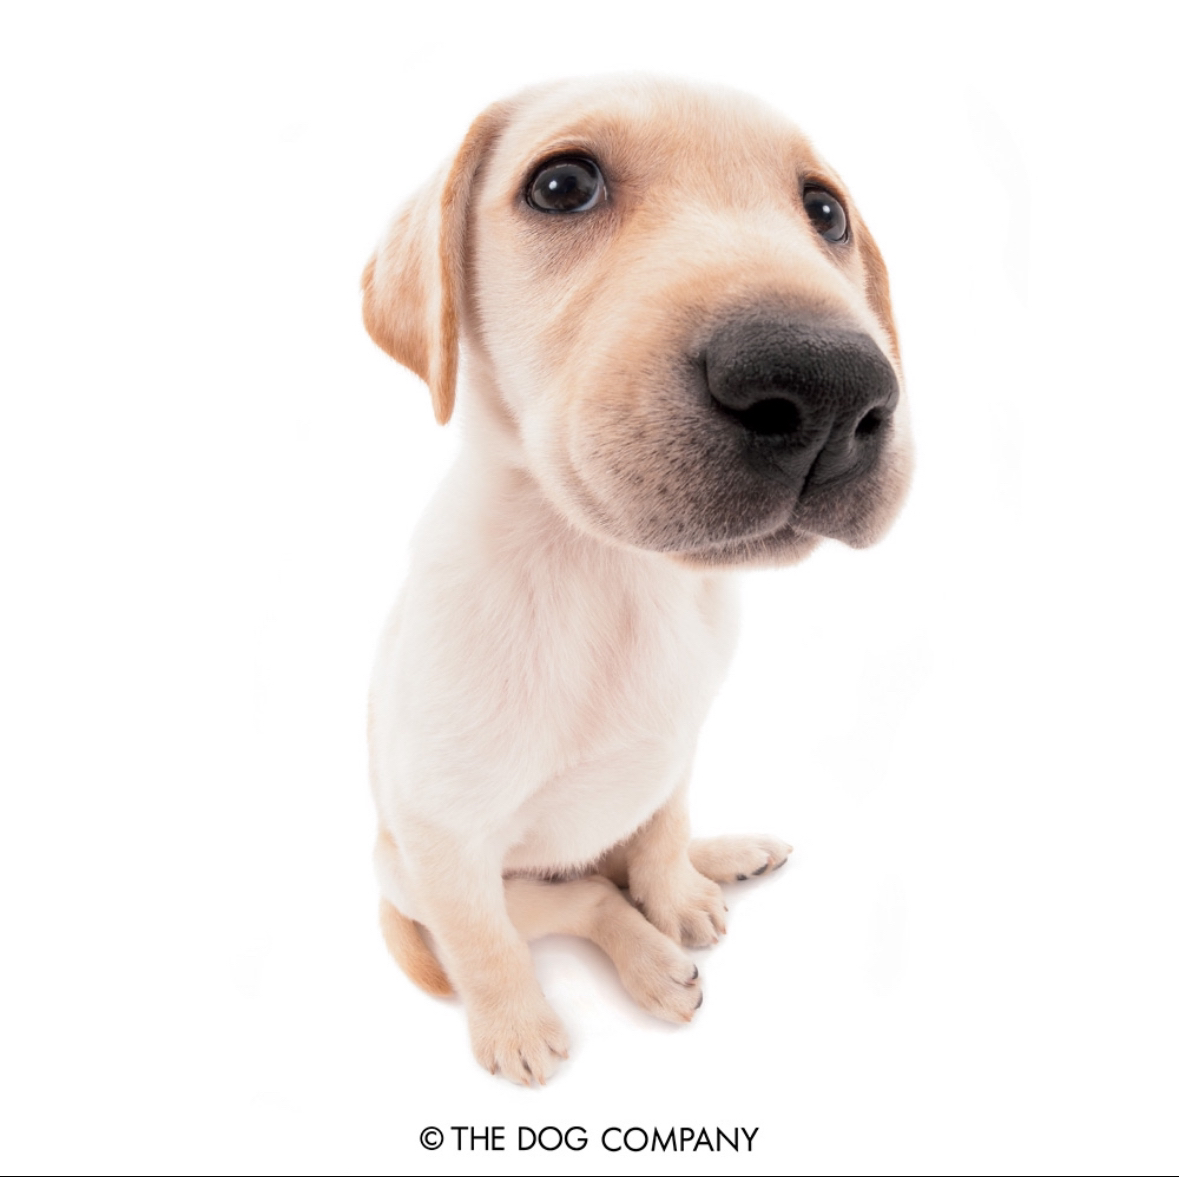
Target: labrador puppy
679,359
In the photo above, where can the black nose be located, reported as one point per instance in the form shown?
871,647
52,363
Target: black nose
815,400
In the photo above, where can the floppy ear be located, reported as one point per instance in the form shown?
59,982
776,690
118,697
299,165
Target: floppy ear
413,284
877,284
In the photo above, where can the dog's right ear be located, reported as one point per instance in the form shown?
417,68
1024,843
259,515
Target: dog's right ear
413,284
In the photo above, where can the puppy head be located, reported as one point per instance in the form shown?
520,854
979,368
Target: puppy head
678,308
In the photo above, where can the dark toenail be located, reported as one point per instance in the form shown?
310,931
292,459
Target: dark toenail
701,1001
762,870
742,878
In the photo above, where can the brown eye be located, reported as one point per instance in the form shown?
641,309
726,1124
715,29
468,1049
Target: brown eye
826,213
567,186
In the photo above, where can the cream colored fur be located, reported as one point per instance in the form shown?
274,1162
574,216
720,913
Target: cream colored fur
539,689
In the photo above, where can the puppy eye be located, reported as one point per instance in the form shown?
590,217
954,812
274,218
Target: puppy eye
567,186
826,213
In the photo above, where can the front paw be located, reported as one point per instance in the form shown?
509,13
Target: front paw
659,976
685,906
521,1039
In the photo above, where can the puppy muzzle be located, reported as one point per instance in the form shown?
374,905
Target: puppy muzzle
811,404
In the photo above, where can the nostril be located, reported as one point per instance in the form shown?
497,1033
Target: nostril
870,422
771,418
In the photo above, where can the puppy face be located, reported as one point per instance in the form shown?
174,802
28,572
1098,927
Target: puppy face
682,315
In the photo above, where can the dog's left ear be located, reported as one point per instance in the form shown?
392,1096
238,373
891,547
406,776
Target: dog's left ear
413,284
877,284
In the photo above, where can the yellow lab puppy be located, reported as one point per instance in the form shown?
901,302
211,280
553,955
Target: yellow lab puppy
680,359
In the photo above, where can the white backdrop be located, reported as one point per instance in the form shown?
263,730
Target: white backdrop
209,478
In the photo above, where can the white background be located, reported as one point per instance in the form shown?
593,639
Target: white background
209,476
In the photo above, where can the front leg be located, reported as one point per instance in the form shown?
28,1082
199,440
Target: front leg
674,877
459,889
672,893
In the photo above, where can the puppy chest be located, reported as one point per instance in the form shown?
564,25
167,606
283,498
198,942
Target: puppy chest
530,688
